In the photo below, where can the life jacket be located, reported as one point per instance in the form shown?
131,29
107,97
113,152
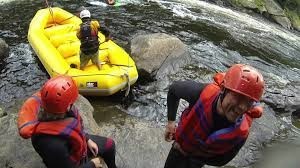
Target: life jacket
88,38
70,127
194,131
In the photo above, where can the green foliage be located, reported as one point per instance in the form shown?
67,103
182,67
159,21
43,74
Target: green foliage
294,16
260,4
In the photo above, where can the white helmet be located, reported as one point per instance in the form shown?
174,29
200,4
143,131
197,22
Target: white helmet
85,14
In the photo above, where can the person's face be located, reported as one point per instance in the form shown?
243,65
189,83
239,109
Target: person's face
234,105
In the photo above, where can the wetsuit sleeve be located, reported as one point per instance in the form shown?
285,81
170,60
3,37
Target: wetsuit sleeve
55,152
187,90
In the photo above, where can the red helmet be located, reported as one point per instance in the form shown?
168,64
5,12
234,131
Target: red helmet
58,93
245,80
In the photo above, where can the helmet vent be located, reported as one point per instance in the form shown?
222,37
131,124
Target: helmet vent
64,88
68,84
46,94
245,78
58,94
246,70
256,79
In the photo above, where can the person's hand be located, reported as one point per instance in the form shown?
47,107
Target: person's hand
93,147
98,162
170,131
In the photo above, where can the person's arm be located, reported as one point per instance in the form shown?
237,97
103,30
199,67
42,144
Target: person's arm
78,34
101,29
187,90
104,30
106,33
55,152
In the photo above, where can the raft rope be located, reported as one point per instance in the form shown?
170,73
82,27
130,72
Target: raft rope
50,10
126,75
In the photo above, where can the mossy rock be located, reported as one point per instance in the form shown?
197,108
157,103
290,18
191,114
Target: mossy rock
294,16
261,5
258,5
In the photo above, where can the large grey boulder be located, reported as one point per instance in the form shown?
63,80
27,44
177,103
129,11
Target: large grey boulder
139,143
158,54
4,49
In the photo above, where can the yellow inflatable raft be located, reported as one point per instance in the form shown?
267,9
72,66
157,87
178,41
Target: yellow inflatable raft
52,35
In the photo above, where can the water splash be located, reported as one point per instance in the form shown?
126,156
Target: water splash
267,39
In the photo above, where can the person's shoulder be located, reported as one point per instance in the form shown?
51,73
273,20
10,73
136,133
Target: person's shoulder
94,22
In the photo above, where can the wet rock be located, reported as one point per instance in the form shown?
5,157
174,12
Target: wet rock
4,49
2,113
296,112
15,152
159,54
283,100
277,13
274,8
295,18
139,143
283,21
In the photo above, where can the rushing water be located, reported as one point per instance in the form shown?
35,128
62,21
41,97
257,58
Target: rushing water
215,36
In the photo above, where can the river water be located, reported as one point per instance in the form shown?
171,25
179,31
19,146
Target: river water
215,36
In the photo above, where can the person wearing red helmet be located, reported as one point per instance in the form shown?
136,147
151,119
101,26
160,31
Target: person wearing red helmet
55,127
216,124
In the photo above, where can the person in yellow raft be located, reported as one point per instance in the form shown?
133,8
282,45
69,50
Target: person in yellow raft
216,124
89,42
56,129
110,2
